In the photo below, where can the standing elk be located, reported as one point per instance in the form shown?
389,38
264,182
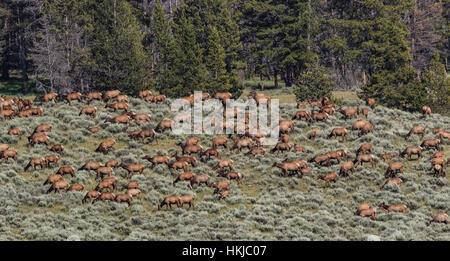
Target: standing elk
106,145
224,163
412,150
157,160
200,179
439,218
338,132
58,185
433,143
394,168
365,158
418,130
184,176
169,201
426,111
35,162
89,110
93,194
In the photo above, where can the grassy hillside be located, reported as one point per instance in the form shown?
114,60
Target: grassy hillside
264,207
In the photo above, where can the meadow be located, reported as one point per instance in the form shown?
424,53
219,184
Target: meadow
264,206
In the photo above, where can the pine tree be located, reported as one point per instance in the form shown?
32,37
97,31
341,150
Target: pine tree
437,83
313,84
119,60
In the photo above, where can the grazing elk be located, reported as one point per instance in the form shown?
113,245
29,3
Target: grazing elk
349,113
319,159
51,159
104,171
418,130
342,132
439,218
346,167
92,195
210,152
132,168
362,207
163,125
58,185
106,145
57,148
52,179
397,181
74,96
386,156
306,115
224,163
314,133
7,154
364,148
66,170
169,201
15,131
365,158
105,196
89,110
221,185
184,176
120,198
157,160
94,96
287,167
76,187
426,144
256,151
240,143
393,208
35,162
233,175
200,179
394,168
412,150
118,106
281,146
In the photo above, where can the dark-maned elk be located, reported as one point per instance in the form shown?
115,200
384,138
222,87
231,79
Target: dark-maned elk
364,148
412,150
426,111
439,218
169,201
200,179
224,163
92,195
418,130
184,176
285,126
89,110
397,181
426,144
147,133
191,149
157,160
106,145
164,125
35,162
94,96
393,168
338,132
335,155
365,158
58,185
39,139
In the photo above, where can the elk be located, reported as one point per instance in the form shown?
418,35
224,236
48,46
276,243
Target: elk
104,170
51,159
396,181
362,207
363,112
191,149
74,96
91,165
329,177
438,161
184,176
287,167
386,156
221,185
368,127
418,130
426,111
368,213
50,97
314,133
94,96
157,160
233,175
349,113
210,152
38,138
147,133
105,196
7,154
169,201
364,148
306,115
124,119
224,194
358,125
444,134
93,194
127,198
200,179
132,168
112,163
89,110
346,167
256,151
371,103
163,125
338,132
7,114
121,98
281,146
319,159
66,170
144,93
224,163
35,162
118,106
439,170
393,168
105,145
179,165
440,218
431,143
242,143
320,116
57,148
159,98
94,129
52,179
297,148
43,128
15,131
58,185
412,150
76,187
223,96
365,158
111,94
189,159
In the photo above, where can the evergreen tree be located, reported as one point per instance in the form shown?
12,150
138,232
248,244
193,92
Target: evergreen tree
119,60
437,83
313,84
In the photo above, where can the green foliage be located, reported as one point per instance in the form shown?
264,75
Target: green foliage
437,83
313,84
119,60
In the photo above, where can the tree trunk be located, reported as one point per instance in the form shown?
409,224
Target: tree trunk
275,76
5,68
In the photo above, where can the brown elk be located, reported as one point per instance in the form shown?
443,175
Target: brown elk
284,138
362,207
210,152
329,177
259,97
438,161
121,98
111,95
426,111
109,182
134,192
285,126
256,151
314,104
412,150
386,156
178,165
144,93
438,154
43,128
287,167
103,171
89,110
363,112
319,159
221,185
281,146
57,148
368,127
36,111
35,162
224,163
233,175
51,159
349,113
91,165
146,133
169,201
393,168
306,115
159,98
200,179
365,158
127,198
124,119
7,154
418,130
141,117
431,143
240,143
442,134
105,145
118,106
191,149
439,218
368,213
371,103
74,96
439,170
3,147
358,125
314,133
7,114
320,116
52,179
93,194
184,176
94,96
224,194
219,141
364,148
38,138
338,132
66,170
346,167
94,129
393,208
396,181
15,131
112,163
105,196
301,106
157,160
223,96
58,185
297,148
50,97
163,125
76,187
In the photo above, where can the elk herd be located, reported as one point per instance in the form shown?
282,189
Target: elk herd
192,152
